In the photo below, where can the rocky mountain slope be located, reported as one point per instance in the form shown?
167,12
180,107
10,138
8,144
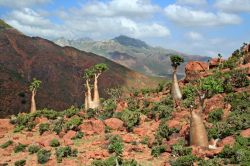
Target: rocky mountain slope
146,128
132,53
59,68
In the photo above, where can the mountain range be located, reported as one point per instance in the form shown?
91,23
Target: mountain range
132,53
59,68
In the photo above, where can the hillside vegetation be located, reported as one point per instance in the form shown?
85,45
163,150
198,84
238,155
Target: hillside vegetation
206,125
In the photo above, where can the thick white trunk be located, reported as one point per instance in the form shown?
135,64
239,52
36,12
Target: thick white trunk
33,102
176,92
198,134
96,100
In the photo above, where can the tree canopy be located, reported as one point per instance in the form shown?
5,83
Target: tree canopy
35,84
97,69
176,60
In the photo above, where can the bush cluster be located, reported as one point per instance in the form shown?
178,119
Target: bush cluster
20,148
43,156
33,149
66,151
114,161
130,118
6,144
115,145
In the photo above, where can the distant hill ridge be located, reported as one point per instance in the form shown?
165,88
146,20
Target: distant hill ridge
132,53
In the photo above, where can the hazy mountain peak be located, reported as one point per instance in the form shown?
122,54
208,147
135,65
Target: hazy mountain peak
128,41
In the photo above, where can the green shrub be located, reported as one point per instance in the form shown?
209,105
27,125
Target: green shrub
20,148
145,140
215,115
71,111
239,79
239,102
91,113
158,150
18,129
130,118
43,156
54,143
133,104
65,152
115,145
211,85
20,163
179,149
113,160
107,129
50,114
73,123
33,149
78,135
162,110
58,125
211,162
109,107
43,127
163,131
6,144
186,160
239,153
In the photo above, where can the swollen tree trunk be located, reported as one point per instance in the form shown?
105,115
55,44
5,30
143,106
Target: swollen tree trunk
198,134
176,92
33,102
86,104
96,100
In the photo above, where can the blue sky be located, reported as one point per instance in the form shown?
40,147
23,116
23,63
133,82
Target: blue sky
203,27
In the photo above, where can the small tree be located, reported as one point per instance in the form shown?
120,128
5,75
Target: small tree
176,61
33,88
89,74
206,88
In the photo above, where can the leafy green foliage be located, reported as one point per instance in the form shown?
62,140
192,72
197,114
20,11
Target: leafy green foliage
20,148
58,125
176,60
91,113
114,93
78,135
179,149
43,127
71,111
20,163
211,162
186,160
115,145
238,118
189,92
65,152
109,107
33,149
43,156
158,150
237,154
215,115
54,143
6,144
73,123
211,86
35,84
130,118
47,113
97,69
113,160
163,131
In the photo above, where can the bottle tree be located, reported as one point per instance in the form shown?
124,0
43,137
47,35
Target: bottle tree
205,88
175,91
92,74
35,84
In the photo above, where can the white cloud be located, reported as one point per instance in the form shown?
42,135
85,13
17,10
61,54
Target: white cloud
194,36
192,2
74,25
22,3
189,17
32,23
233,5
129,8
